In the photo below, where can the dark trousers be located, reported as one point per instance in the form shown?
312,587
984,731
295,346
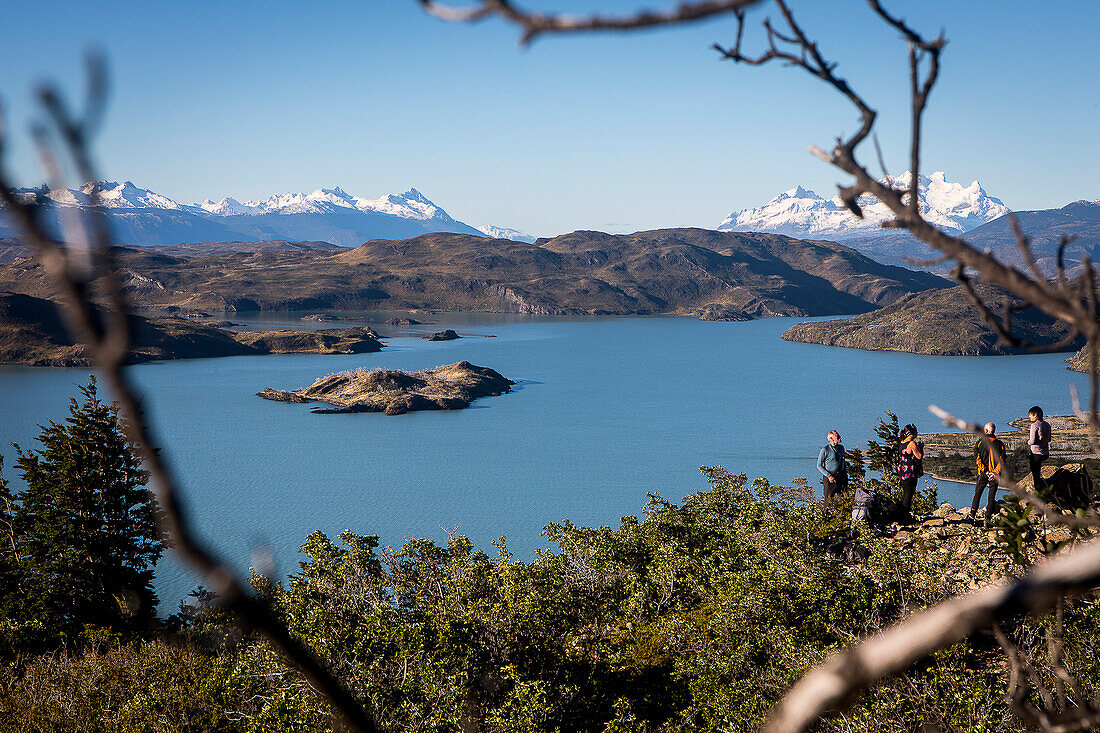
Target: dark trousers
831,486
1035,463
908,487
979,486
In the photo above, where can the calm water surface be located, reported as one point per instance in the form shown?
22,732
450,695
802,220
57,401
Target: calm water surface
606,410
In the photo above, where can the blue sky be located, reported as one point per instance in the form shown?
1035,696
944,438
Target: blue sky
609,132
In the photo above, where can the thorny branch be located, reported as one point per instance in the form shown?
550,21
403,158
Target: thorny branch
536,24
80,267
830,685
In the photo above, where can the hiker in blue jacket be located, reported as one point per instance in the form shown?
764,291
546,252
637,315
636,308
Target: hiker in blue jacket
830,462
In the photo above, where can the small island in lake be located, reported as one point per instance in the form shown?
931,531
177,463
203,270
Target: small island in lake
394,392
448,335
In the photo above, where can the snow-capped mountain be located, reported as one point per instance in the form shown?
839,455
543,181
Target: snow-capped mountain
140,216
496,232
409,205
801,213
112,195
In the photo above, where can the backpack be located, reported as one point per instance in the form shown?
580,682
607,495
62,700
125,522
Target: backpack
909,466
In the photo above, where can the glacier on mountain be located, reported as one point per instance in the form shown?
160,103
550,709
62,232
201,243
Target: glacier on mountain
801,213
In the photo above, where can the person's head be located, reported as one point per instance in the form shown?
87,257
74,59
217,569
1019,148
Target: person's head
834,437
909,432
989,429
1035,413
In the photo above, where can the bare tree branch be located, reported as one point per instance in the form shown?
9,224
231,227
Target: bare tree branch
107,336
536,24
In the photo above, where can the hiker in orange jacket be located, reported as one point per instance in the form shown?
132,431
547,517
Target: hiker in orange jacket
989,455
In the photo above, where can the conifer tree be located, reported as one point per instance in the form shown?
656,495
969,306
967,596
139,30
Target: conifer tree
85,535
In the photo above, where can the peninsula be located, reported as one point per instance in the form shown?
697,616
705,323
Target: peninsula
935,322
394,392
951,455
32,332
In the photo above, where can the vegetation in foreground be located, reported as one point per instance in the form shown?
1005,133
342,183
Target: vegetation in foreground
694,616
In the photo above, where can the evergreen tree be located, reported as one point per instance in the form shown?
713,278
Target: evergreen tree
85,535
883,456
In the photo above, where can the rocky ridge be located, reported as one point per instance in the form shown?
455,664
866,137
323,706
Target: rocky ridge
668,271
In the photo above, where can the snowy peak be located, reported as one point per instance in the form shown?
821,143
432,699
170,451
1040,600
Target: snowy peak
409,205
112,195
126,195
495,232
226,207
799,212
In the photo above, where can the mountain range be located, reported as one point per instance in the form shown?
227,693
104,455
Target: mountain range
801,213
954,208
143,217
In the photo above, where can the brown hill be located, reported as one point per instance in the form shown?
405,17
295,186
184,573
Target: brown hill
940,322
684,271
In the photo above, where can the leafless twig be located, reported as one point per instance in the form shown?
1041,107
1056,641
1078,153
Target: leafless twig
79,271
536,24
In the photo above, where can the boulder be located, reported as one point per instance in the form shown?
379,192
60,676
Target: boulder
1068,487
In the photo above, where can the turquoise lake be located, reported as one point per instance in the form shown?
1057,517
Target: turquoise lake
605,410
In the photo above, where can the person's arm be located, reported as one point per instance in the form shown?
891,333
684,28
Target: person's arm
1034,434
917,449
821,462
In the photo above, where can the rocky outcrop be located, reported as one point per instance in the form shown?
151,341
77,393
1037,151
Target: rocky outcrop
328,341
323,318
1068,487
937,322
394,392
403,322
276,395
448,335
1079,362
722,312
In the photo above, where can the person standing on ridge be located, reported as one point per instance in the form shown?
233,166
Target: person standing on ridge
830,462
910,466
989,455
1038,442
